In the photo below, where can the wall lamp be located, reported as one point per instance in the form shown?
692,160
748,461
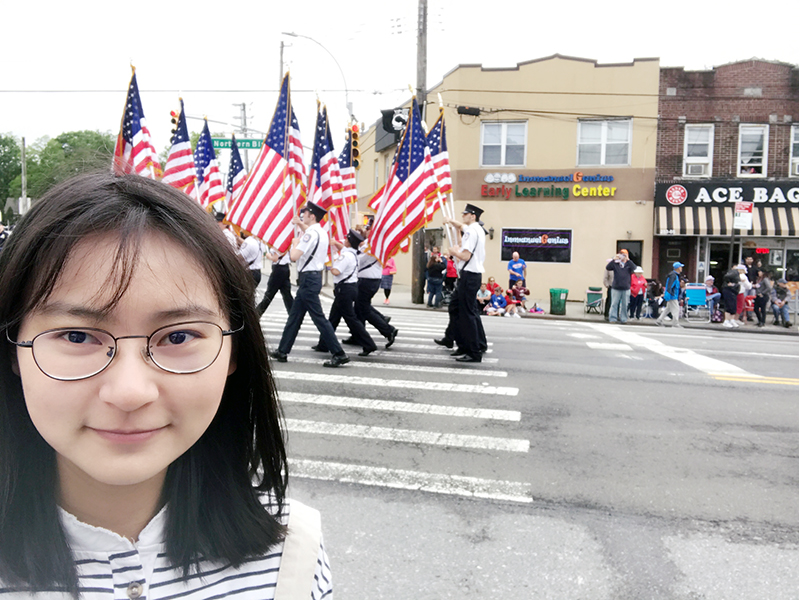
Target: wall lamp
491,233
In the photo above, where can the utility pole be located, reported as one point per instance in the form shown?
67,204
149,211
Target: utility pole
23,202
280,75
418,241
243,129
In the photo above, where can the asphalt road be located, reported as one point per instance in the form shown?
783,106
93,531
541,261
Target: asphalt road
580,460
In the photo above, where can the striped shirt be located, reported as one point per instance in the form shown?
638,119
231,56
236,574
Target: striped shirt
111,567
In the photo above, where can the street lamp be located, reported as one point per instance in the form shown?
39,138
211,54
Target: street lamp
346,92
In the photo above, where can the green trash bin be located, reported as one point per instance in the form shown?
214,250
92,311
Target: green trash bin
558,301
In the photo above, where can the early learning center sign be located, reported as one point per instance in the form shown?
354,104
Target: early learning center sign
548,187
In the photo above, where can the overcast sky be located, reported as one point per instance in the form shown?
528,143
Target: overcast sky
65,65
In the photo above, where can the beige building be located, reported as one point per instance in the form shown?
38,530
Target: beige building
559,152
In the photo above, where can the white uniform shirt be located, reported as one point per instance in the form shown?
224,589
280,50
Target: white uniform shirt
369,267
347,265
110,566
251,252
308,263
474,240
231,237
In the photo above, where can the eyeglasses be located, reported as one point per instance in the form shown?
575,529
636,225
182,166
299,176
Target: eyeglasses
73,353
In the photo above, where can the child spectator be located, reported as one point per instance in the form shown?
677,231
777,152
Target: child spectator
511,304
497,305
520,293
484,297
638,288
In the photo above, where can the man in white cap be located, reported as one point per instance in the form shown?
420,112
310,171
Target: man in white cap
672,292
310,253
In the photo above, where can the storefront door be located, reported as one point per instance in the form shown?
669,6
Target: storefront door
718,259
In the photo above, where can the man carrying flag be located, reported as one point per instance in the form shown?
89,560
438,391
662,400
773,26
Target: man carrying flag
179,172
324,178
134,152
310,253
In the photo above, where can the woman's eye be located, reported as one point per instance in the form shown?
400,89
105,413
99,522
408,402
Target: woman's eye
176,338
80,337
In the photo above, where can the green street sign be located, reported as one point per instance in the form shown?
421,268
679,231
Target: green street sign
221,143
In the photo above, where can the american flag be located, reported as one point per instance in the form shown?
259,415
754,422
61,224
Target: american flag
179,171
325,180
209,179
412,184
348,171
275,189
437,142
134,151
236,174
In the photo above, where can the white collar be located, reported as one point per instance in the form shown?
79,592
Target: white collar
84,537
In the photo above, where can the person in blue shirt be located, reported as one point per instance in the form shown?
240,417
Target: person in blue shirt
498,303
517,270
672,292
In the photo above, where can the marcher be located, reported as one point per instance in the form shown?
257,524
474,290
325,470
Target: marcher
464,328
622,268
232,238
252,255
517,270
638,289
435,276
387,276
279,281
345,280
310,253
369,281
140,428
672,292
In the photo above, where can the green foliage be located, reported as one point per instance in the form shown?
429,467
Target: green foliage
50,161
10,164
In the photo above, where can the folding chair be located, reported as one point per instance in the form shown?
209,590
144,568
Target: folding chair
696,308
594,300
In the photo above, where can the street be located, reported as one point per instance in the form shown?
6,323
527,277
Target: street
579,460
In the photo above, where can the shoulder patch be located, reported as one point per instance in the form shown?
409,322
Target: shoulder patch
306,237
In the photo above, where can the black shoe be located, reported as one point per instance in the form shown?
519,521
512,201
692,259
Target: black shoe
366,352
458,352
350,341
444,342
337,360
391,338
278,356
388,319
319,348
787,325
468,359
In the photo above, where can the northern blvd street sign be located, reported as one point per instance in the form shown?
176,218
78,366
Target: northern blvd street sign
221,143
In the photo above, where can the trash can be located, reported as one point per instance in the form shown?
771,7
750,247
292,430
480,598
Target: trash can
558,301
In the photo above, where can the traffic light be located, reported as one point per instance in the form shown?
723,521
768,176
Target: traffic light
355,152
174,116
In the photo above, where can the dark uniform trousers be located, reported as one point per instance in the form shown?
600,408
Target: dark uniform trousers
307,300
367,288
279,281
343,308
465,327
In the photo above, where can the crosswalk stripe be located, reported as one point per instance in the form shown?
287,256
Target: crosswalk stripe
405,407
409,436
608,346
396,346
755,379
457,485
424,368
439,357
432,386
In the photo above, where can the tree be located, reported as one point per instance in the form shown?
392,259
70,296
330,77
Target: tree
52,161
10,164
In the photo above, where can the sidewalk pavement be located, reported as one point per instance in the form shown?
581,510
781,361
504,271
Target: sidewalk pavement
401,298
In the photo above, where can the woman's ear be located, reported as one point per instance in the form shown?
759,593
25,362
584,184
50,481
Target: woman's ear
232,364
14,362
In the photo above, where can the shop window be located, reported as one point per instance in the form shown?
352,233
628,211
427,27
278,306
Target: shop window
753,150
698,150
604,142
634,248
503,144
794,163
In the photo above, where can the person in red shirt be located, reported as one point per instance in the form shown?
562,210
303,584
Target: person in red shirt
638,289
520,294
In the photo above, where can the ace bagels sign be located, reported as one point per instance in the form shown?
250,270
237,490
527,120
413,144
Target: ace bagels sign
768,193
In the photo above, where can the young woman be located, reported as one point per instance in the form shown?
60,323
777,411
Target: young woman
141,453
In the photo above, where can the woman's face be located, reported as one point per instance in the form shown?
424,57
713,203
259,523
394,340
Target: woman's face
125,425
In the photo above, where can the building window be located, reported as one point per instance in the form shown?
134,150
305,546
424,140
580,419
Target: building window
604,142
794,162
753,150
698,150
503,144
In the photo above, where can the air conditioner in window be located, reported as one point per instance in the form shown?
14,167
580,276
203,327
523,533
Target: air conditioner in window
696,170
796,168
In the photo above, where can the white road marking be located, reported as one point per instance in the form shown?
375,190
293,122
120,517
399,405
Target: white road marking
706,364
457,485
440,357
608,346
423,368
432,386
428,335
404,407
583,336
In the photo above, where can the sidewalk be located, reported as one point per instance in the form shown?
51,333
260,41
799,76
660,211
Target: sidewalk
401,298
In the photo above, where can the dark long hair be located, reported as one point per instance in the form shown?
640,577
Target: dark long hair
213,489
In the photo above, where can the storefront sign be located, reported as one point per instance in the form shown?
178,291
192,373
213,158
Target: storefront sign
743,216
538,245
584,186
723,192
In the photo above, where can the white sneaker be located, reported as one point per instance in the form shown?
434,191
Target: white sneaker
507,314
728,324
517,315
735,323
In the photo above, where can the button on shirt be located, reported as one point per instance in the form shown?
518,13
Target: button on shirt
473,239
308,263
347,265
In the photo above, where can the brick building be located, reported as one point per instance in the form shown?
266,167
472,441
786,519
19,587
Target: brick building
726,135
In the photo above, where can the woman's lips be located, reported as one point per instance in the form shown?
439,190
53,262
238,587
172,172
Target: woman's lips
127,436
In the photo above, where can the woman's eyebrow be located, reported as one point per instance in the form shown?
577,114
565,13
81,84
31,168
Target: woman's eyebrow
88,312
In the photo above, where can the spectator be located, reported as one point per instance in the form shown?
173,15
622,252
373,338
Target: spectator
744,287
672,293
608,279
622,269
730,291
484,297
638,288
780,303
763,289
520,293
435,274
517,270
491,285
655,297
451,274
712,295
511,304
387,277
497,305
